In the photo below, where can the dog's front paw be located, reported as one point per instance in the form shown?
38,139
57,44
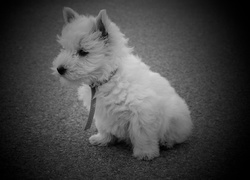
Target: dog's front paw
145,154
100,139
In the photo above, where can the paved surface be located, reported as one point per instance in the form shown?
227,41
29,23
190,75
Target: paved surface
199,47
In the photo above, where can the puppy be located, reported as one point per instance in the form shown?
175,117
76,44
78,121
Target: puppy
133,103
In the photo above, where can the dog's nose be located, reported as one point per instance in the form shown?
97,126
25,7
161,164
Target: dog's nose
61,70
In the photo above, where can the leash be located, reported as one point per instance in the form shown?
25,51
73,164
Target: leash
93,99
92,109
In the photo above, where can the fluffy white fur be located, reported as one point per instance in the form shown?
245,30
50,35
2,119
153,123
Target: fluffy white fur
136,104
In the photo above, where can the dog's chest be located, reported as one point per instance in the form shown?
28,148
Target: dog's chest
114,116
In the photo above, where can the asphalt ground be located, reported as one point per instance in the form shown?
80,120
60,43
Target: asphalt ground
199,46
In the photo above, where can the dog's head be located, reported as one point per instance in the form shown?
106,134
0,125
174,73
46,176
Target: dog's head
89,45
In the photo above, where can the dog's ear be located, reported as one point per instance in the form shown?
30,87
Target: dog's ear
69,14
102,22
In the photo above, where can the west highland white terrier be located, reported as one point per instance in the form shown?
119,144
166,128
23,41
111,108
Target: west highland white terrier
133,103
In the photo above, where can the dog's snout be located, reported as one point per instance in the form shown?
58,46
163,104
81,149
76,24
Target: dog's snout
61,70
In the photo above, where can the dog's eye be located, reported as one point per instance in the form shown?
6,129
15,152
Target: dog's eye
82,52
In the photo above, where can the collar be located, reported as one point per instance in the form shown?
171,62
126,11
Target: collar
100,83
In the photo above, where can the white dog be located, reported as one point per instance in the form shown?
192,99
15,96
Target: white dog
132,102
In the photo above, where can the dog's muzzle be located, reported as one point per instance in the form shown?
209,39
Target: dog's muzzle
61,70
